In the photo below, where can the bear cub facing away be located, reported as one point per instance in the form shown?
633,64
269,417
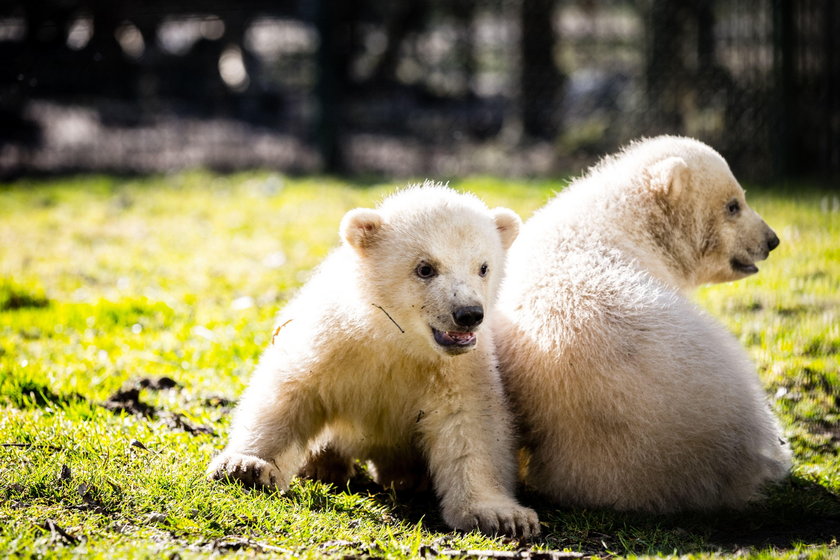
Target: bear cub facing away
381,357
627,395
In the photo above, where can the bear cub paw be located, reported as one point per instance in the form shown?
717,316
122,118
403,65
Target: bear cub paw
497,518
247,469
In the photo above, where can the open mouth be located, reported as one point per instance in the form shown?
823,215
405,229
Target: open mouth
743,267
454,339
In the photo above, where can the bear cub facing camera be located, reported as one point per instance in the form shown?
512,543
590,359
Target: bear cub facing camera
628,395
382,357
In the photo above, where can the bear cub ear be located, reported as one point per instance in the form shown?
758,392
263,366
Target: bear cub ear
360,228
669,176
507,223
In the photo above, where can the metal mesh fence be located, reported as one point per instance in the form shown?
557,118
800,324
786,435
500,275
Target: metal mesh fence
421,87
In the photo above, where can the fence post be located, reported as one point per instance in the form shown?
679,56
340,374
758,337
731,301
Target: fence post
783,71
831,45
328,88
540,79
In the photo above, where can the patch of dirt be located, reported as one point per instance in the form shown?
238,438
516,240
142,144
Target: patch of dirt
177,422
158,384
127,400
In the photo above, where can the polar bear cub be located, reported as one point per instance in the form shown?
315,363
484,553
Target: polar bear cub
628,395
382,357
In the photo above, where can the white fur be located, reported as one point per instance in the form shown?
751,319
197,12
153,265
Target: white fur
628,395
355,372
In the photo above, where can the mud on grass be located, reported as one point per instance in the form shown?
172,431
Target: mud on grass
132,313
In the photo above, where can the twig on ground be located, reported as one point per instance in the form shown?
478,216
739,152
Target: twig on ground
237,543
32,446
58,533
430,551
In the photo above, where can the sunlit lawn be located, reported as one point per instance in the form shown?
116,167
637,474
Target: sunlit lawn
110,284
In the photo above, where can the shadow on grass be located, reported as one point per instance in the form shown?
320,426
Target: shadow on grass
14,296
26,393
795,513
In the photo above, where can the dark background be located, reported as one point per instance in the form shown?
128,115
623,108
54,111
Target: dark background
432,88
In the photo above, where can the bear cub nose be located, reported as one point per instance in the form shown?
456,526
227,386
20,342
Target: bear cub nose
469,316
772,241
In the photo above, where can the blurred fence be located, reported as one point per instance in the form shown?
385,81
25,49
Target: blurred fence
417,87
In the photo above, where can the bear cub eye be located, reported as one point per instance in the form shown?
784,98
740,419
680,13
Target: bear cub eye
425,270
482,271
733,207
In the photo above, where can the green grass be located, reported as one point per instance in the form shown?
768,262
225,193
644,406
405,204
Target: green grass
107,282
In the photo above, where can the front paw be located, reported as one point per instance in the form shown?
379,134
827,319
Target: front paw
496,518
248,469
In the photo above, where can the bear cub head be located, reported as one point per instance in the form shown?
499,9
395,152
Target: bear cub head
702,218
431,259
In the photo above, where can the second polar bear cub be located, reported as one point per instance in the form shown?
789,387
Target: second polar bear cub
628,395
381,357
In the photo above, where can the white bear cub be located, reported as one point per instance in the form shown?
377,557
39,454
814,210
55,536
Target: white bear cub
382,357
628,395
